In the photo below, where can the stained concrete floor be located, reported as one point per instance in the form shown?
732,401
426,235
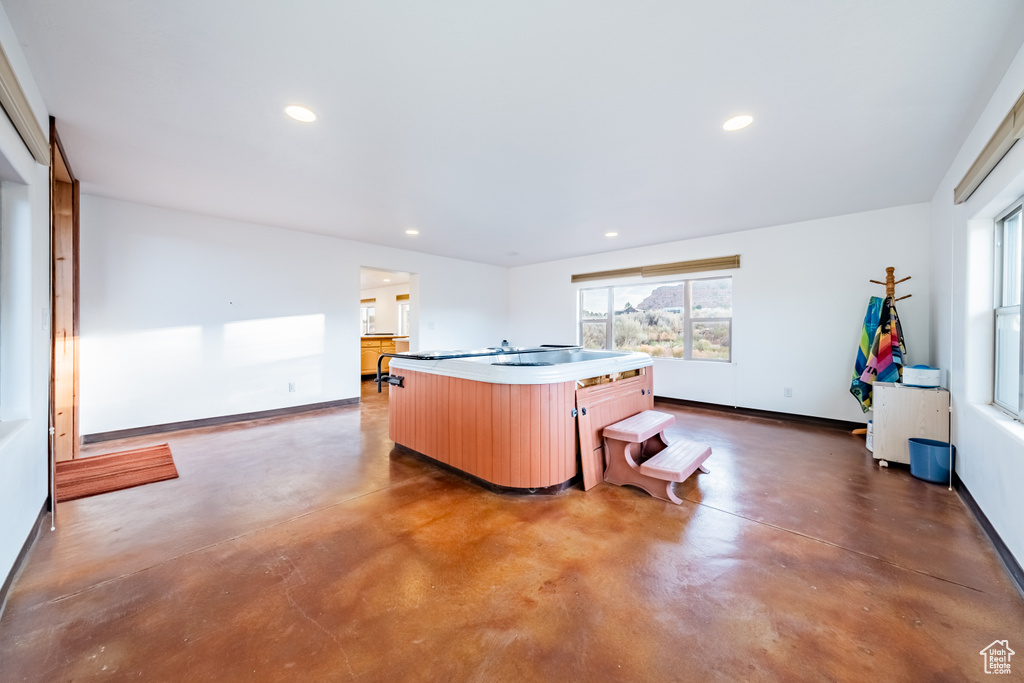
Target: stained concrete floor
305,548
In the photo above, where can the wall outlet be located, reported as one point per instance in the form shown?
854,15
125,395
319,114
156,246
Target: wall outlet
291,387
788,392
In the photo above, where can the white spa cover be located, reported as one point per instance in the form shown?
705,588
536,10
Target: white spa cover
566,365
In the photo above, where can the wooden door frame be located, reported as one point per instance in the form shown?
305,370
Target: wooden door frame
60,172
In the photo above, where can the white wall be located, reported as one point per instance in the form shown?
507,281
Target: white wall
799,299
24,306
990,446
186,316
386,306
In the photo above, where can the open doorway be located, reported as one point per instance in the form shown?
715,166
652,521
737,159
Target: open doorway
64,220
386,312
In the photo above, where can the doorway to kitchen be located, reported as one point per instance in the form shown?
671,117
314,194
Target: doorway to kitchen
64,220
386,315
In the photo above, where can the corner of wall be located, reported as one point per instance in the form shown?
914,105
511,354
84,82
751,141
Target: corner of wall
24,335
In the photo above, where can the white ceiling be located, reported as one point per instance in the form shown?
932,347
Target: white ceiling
371,278
516,132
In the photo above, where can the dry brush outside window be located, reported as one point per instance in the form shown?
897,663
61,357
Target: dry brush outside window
686,319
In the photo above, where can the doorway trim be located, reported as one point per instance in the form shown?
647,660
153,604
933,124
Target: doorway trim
64,304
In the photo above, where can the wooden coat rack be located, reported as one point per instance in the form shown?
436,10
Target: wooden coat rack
890,284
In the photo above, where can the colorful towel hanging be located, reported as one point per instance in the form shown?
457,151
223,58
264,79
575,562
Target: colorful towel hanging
885,360
885,364
860,389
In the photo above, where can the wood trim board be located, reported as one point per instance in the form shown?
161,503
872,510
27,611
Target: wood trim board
65,198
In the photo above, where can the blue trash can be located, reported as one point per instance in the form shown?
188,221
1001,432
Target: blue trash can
930,460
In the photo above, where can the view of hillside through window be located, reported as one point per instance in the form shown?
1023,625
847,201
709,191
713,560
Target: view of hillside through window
690,319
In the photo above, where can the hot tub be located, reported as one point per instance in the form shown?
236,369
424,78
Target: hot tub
510,420
527,367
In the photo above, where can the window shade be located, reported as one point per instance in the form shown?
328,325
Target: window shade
1008,132
402,297
695,266
19,111
368,301
721,263
606,274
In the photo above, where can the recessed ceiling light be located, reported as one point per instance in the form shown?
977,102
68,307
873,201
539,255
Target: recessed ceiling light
611,234
300,113
387,280
737,122
412,232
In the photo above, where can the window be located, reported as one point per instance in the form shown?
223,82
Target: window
1007,303
366,318
403,318
688,319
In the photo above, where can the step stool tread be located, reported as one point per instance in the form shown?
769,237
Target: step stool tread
639,427
677,462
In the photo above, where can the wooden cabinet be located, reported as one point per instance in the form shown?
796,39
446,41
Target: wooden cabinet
368,359
370,349
903,412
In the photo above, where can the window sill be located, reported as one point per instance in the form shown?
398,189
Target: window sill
995,415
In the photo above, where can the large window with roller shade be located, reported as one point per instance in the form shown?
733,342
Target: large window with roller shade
1008,366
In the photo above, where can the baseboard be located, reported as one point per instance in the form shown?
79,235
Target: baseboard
19,561
214,421
1013,567
767,414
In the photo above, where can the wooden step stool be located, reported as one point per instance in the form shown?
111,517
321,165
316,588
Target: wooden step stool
638,454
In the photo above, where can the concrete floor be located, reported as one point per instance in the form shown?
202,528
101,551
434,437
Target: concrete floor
304,548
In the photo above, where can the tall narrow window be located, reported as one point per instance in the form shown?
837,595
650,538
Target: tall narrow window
366,318
403,318
1008,300
687,319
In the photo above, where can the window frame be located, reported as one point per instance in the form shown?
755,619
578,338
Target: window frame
404,311
366,311
1000,310
688,320
608,320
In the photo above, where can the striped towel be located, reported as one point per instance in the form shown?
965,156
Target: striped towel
859,388
885,364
